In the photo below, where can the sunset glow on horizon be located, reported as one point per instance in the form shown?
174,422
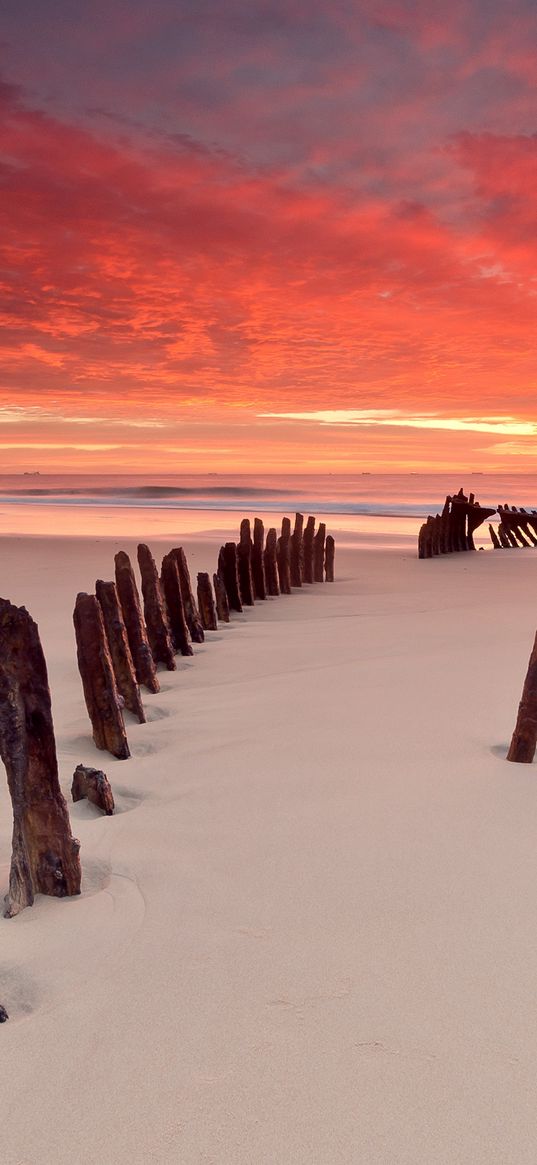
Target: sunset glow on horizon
268,236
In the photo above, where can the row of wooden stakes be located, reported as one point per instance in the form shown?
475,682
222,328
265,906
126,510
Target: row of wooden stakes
119,645
118,648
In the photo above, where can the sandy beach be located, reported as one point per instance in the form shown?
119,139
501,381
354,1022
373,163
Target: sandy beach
308,934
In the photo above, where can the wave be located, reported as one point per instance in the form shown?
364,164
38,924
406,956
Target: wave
142,491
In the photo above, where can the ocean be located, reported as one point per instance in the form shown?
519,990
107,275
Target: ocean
365,510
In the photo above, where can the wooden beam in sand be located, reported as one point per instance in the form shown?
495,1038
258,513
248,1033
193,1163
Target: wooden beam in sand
307,545
283,557
103,700
244,563
318,553
297,552
524,740
144,664
220,594
120,652
94,785
270,563
258,561
171,586
228,562
206,603
189,603
494,538
45,855
329,555
155,613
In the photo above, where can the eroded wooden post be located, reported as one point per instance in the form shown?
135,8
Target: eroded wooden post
318,553
144,664
283,557
258,565
118,643
94,785
494,538
171,586
244,561
271,564
297,552
45,856
206,603
231,576
222,604
189,603
524,740
98,680
329,554
307,542
156,616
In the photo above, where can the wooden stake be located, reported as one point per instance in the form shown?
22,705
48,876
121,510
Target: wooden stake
283,557
120,652
524,740
156,616
45,856
171,585
271,564
206,603
297,552
244,563
222,605
258,565
94,785
330,551
189,603
144,664
307,544
98,680
318,553
231,575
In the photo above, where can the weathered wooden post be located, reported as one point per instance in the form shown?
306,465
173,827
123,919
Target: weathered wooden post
271,564
307,542
156,616
189,603
504,541
258,564
222,605
171,586
98,680
330,550
318,553
524,740
494,538
94,785
444,528
283,557
144,664
230,570
120,652
297,552
45,856
206,603
244,561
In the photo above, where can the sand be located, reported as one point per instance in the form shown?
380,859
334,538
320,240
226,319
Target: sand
309,934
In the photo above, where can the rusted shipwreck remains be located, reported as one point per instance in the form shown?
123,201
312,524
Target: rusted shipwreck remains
453,530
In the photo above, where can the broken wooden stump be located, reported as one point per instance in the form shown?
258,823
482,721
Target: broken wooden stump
189,603
271,564
206,604
103,700
297,552
329,554
494,538
45,855
283,557
228,562
144,664
171,586
307,543
155,613
3,1014
222,604
93,784
258,563
120,652
244,561
318,553
524,739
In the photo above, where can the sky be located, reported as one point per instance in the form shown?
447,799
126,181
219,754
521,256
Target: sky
268,235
